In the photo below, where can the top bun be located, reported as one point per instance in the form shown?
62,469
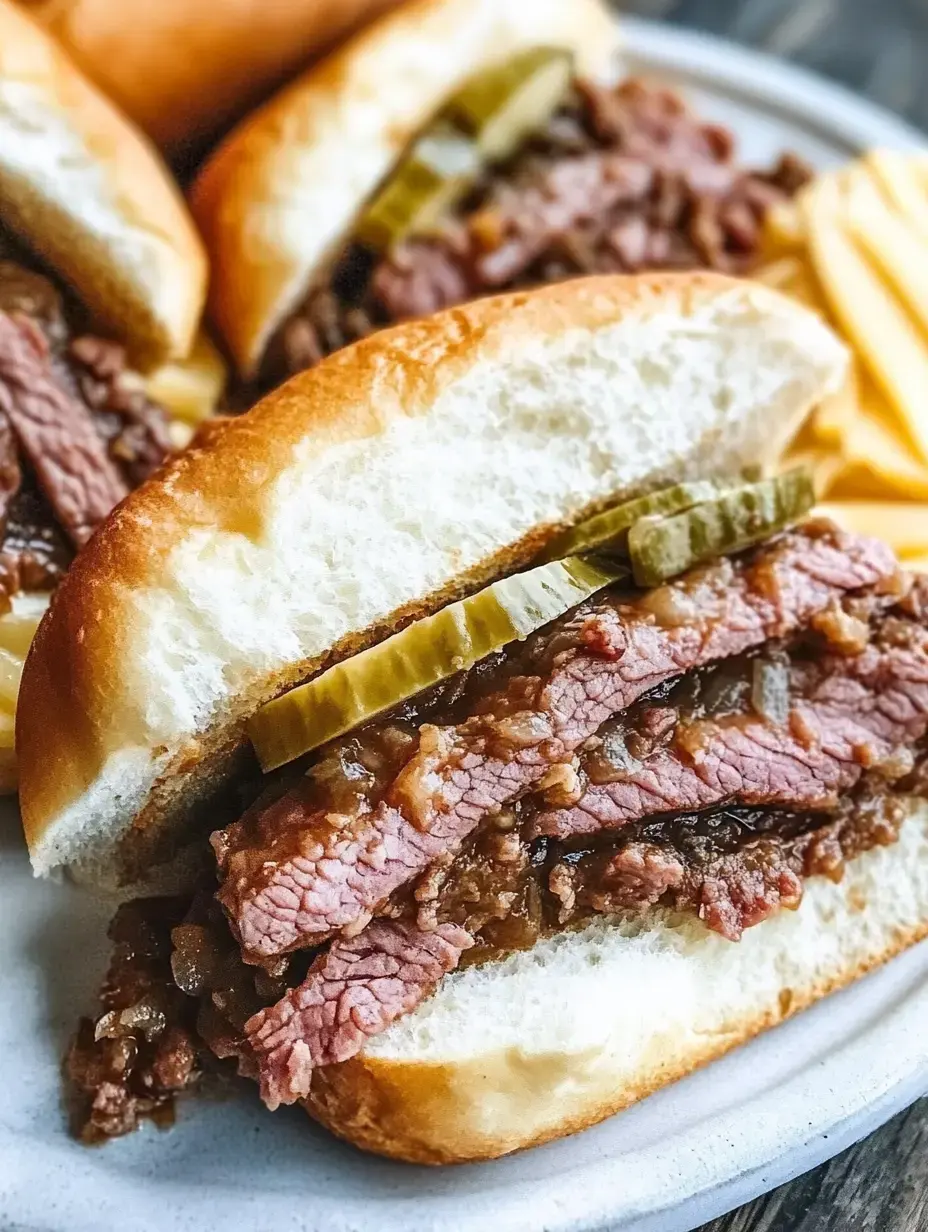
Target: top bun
82,188
182,70
282,191
399,473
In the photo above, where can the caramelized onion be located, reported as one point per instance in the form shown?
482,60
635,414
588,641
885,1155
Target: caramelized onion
195,958
770,690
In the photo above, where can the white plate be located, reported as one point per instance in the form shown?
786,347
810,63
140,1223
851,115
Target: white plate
776,1107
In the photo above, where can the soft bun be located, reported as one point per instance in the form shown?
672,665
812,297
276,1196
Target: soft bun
283,189
396,474
551,1040
183,70
85,190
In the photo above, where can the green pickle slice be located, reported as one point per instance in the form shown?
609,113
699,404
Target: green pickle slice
503,105
421,655
430,177
609,529
484,121
662,548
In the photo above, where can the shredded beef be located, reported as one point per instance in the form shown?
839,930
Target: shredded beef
142,1050
732,867
354,990
295,871
35,554
622,179
25,293
134,428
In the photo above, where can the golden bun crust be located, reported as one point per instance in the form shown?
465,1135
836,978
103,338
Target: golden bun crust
696,997
282,190
9,776
83,188
181,71
344,504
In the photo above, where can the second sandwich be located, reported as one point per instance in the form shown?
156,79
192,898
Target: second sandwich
102,278
453,149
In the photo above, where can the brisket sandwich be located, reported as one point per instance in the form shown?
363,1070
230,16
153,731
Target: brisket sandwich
101,272
519,742
458,148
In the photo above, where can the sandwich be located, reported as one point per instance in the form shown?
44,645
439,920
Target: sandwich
183,71
457,148
102,283
516,738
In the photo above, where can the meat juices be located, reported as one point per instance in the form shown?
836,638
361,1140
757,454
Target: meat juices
622,179
614,762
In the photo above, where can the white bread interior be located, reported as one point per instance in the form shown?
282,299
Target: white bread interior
556,1038
399,473
84,189
282,190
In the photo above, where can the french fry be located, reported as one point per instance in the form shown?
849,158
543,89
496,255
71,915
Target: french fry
7,737
895,246
881,332
834,418
17,628
11,669
783,274
902,524
878,461
784,229
794,277
191,388
901,184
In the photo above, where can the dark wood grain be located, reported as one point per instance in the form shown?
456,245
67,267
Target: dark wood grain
880,49
880,1185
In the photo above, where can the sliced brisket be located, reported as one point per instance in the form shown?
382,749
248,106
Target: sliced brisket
55,431
295,871
10,473
855,713
76,429
353,991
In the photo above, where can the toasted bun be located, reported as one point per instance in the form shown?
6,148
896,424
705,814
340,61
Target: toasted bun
84,189
552,1040
283,189
399,473
181,70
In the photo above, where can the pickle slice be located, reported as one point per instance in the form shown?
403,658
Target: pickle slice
610,528
430,177
503,105
420,655
662,548
483,122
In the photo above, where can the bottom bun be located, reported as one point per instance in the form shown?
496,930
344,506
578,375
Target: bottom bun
551,1040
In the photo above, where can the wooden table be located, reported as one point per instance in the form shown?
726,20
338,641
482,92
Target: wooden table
879,48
